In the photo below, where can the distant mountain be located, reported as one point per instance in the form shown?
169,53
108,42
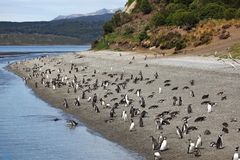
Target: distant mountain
80,30
99,12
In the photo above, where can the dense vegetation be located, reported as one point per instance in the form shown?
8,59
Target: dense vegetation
72,31
142,26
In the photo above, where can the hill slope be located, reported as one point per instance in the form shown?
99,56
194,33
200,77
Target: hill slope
80,30
171,26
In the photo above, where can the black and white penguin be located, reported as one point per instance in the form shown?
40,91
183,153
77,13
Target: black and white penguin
155,144
180,101
141,122
174,100
157,156
124,115
156,75
138,92
209,108
76,102
164,145
191,147
179,132
198,142
192,82
142,102
72,123
185,128
65,103
189,109
219,144
132,126
192,93
236,154
96,108
112,113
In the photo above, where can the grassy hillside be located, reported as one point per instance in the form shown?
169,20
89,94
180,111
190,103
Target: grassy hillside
170,24
72,31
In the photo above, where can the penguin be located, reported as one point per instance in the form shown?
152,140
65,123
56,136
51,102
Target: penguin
157,156
127,100
96,108
76,102
132,126
112,112
158,124
138,92
83,95
205,96
160,139
236,155
209,108
192,82
143,114
72,123
89,99
191,147
156,75
189,109
155,144
199,142
159,90
145,58
164,144
219,144
124,115
179,132
180,101
174,101
141,122
65,103
142,102
192,93
185,128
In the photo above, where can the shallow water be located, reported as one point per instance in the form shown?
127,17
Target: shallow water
28,132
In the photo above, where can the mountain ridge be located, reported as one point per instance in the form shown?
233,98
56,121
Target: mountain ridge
98,12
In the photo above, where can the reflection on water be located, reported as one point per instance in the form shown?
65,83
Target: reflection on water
28,130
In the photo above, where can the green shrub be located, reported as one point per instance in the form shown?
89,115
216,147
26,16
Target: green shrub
212,10
101,45
230,13
143,35
183,18
158,19
204,39
187,2
172,40
173,7
145,6
108,27
129,2
128,30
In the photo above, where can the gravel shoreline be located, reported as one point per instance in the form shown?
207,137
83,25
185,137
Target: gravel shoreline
211,76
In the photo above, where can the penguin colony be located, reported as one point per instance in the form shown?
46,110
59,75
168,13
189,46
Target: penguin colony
109,91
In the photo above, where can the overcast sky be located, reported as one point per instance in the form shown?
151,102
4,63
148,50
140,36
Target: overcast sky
40,10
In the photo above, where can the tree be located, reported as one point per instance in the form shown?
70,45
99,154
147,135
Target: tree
212,10
108,27
145,6
158,19
183,18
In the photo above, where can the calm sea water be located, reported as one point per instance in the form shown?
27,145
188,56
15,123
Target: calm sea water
27,129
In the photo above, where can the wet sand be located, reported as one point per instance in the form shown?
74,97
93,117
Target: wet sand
211,76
